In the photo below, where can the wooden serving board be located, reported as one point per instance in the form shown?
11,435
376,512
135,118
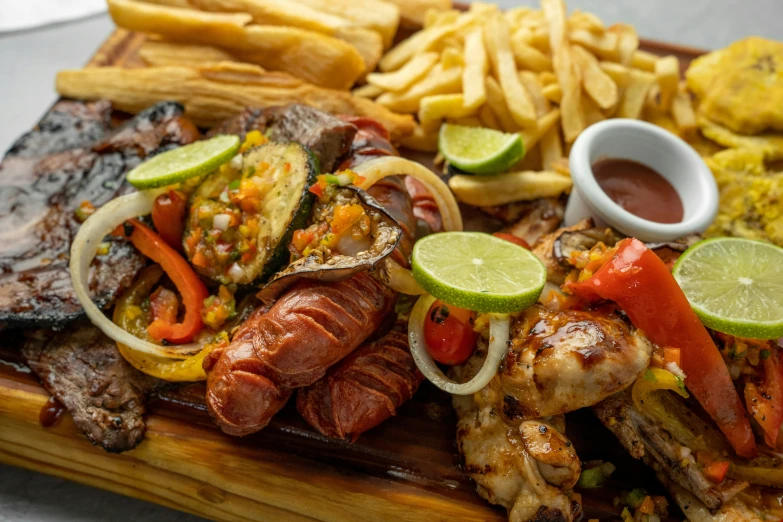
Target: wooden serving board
405,470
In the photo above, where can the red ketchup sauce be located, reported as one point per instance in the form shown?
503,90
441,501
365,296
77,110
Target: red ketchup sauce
639,190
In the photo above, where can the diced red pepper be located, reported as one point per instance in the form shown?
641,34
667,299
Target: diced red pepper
164,305
716,471
641,284
671,355
318,188
168,216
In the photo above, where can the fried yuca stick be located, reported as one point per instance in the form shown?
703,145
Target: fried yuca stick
158,53
567,76
367,43
317,58
212,94
381,17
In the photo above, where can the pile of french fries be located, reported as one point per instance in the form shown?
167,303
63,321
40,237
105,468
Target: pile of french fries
535,72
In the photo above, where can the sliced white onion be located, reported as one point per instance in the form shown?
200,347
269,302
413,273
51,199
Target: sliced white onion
221,221
383,166
401,279
499,330
83,250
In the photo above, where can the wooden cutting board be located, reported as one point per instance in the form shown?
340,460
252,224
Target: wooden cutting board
405,470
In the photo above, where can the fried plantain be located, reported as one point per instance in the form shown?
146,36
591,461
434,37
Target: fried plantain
741,86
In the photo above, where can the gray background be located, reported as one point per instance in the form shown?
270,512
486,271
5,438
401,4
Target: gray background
29,61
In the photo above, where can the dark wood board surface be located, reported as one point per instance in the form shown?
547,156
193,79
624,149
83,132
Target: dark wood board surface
405,470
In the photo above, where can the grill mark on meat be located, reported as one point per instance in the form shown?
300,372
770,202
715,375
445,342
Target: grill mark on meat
327,137
83,369
39,195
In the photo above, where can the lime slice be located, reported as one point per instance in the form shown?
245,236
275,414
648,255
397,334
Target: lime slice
189,161
480,151
477,271
735,286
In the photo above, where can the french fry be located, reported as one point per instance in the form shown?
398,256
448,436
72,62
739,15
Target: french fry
420,140
376,15
451,57
437,81
496,36
667,72
322,60
434,17
467,121
367,91
407,75
533,85
420,42
570,104
434,109
212,94
547,77
635,95
530,137
488,118
541,39
592,111
158,53
488,191
413,11
683,115
527,56
476,68
644,61
598,85
603,45
551,146
627,42
617,72
553,93
497,102
561,166
584,20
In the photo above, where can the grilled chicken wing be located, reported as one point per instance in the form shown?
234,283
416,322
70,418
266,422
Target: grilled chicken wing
560,361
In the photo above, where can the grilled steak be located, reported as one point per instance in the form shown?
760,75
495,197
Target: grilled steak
328,138
38,198
84,370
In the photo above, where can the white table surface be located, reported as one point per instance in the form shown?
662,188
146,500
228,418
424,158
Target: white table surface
30,59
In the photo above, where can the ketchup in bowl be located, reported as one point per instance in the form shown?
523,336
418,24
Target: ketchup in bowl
639,189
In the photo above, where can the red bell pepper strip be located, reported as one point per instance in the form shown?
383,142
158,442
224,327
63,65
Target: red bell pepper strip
765,400
513,239
183,276
168,216
641,284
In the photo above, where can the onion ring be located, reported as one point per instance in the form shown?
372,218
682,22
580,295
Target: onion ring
499,331
84,249
401,279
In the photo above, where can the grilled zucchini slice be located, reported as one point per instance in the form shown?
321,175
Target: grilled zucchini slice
242,216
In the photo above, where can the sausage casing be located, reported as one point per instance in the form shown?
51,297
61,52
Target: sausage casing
365,389
306,331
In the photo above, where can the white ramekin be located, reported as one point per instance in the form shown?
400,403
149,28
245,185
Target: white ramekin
660,150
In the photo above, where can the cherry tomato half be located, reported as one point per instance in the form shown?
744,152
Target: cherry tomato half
448,332
168,216
512,238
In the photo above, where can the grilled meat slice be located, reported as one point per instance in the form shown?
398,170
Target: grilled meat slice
328,138
528,469
38,199
83,369
560,361
68,125
648,440
364,389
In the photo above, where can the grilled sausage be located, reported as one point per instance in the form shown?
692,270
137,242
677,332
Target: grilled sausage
306,331
365,389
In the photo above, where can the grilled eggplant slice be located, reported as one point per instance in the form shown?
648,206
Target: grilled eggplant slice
242,217
335,251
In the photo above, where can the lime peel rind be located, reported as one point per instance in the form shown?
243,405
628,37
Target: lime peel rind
478,150
741,275
180,164
458,283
